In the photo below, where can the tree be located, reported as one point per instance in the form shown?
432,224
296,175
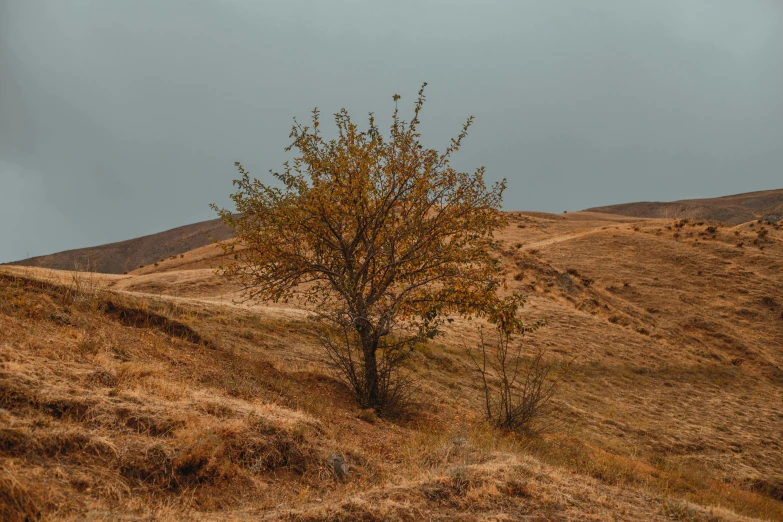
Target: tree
382,236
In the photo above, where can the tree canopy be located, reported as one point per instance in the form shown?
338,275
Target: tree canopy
379,234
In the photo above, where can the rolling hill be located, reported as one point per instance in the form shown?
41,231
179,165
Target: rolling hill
733,210
158,395
124,256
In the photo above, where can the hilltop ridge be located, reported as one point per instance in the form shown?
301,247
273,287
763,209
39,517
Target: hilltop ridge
124,256
732,210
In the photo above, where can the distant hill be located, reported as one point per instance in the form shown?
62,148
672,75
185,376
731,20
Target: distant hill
125,256
733,210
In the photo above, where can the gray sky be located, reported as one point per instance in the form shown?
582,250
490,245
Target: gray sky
124,118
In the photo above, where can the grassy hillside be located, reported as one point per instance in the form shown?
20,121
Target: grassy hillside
732,210
154,395
124,256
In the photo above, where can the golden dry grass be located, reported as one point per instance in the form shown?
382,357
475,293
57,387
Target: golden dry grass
175,403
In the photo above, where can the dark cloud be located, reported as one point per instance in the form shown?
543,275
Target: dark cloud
119,118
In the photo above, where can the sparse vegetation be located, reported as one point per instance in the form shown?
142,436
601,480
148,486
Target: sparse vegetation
117,413
368,415
517,391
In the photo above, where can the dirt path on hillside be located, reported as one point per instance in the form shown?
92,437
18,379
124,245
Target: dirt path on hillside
568,237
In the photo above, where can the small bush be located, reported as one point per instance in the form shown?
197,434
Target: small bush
517,391
676,511
368,415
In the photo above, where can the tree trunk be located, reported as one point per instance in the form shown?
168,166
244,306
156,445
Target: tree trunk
370,349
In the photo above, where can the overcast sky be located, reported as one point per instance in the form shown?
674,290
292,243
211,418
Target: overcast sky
124,118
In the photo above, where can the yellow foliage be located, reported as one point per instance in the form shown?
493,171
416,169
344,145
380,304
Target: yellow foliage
382,233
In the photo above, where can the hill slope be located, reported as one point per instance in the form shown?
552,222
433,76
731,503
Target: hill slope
124,256
732,210
154,395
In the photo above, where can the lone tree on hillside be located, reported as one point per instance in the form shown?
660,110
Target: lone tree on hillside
382,236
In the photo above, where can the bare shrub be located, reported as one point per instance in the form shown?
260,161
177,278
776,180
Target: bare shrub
83,284
517,390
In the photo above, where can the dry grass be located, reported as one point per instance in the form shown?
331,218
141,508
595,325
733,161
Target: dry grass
176,403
